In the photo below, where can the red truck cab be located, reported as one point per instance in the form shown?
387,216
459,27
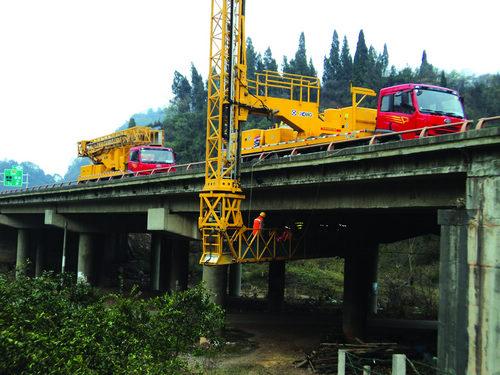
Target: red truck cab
415,106
151,159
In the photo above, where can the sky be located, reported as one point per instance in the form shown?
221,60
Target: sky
77,69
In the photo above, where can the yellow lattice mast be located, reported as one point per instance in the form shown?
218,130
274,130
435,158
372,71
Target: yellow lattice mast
220,220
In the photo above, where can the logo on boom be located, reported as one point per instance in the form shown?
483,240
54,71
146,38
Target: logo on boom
301,113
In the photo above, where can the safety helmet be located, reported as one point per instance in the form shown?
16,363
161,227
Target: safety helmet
263,214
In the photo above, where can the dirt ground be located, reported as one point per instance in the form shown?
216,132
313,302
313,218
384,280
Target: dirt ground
265,343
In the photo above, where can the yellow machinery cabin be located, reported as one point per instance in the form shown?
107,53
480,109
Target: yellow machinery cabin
294,100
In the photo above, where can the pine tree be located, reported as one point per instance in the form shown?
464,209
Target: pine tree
259,64
345,73
312,69
285,65
182,92
383,61
251,60
442,79
299,65
404,76
426,72
344,76
392,77
361,62
269,61
198,92
131,123
331,65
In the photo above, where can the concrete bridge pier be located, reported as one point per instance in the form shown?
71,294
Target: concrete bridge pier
8,244
215,280
469,281
40,253
108,249
360,272
156,245
179,264
86,243
23,251
170,265
169,262
234,287
276,285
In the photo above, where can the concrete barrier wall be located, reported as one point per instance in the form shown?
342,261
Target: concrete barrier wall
8,240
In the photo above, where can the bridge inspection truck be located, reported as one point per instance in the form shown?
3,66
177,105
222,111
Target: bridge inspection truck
294,101
138,150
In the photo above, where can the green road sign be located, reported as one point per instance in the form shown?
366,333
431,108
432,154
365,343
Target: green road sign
13,177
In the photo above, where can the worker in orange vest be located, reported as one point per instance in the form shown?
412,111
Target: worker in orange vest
258,223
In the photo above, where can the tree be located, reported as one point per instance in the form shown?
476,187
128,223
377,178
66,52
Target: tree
392,77
269,61
331,64
299,64
259,64
442,79
342,95
312,70
426,72
285,65
182,92
345,72
131,123
251,59
198,92
361,62
404,76
383,61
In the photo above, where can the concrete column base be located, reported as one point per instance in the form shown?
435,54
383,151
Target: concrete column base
156,245
276,286
85,254
215,280
40,254
235,280
22,256
360,270
179,265
452,333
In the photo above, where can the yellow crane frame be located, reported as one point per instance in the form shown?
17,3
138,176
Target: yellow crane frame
220,218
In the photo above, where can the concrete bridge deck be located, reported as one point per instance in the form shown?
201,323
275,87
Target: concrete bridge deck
426,172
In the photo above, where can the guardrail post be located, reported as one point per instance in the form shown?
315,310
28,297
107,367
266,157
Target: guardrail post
398,364
341,362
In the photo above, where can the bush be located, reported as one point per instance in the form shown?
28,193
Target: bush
52,325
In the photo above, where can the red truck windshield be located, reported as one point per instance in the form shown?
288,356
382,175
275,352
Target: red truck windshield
156,156
439,103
